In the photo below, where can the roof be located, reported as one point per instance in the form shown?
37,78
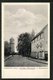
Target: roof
39,32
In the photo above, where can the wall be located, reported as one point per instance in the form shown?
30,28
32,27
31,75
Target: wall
40,44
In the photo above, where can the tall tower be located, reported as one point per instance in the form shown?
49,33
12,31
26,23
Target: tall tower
12,45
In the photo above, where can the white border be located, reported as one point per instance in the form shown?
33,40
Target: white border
13,72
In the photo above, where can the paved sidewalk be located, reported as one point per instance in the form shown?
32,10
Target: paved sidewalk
38,60
8,57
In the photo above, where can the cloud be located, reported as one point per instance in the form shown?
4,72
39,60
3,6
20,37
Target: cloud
22,21
23,18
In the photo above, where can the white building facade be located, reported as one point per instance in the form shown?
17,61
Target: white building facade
39,44
12,48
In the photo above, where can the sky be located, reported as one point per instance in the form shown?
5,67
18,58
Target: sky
20,18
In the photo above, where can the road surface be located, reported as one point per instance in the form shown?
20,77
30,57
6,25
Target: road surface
19,61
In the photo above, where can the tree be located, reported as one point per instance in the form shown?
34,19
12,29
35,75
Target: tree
32,34
6,48
24,44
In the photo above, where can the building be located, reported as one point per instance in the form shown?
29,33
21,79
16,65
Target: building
12,45
39,44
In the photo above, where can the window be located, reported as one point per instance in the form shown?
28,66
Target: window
40,45
37,45
41,54
33,41
36,39
41,35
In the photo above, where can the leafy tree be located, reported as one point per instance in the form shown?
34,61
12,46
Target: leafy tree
32,34
24,44
6,48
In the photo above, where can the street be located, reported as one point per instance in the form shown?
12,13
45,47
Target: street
20,61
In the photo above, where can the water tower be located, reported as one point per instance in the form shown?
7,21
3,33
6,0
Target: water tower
12,48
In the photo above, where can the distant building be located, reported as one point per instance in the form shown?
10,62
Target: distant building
39,44
12,49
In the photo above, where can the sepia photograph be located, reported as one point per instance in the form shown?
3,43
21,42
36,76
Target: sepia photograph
25,35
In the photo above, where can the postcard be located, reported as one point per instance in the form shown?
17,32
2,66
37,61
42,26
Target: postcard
25,40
